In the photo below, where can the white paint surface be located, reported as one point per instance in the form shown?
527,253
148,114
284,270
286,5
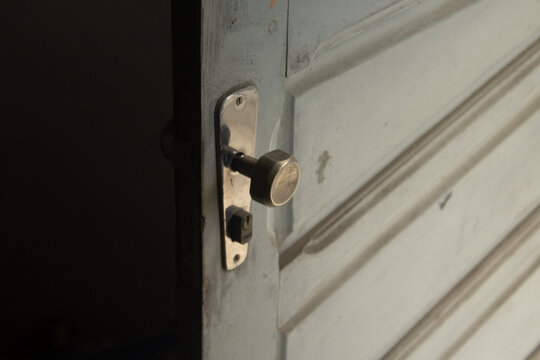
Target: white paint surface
414,230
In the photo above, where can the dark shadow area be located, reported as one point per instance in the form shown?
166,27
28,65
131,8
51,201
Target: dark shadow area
187,157
87,232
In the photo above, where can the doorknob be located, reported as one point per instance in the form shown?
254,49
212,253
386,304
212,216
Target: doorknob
274,176
270,180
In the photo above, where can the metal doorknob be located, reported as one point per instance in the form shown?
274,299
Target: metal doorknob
274,176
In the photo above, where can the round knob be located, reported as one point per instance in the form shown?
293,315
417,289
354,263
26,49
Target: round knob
274,176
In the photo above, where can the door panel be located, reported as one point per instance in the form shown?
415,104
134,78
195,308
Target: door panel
414,229
383,293
463,311
309,31
427,170
509,321
385,103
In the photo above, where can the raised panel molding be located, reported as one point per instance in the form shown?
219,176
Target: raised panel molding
381,106
535,355
354,30
449,149
511,331
420,178
463,310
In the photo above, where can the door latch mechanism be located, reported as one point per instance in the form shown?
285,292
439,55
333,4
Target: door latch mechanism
271,180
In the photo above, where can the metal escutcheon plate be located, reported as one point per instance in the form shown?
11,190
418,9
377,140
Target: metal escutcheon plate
236,125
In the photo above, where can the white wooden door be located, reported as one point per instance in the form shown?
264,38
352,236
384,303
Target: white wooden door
414,231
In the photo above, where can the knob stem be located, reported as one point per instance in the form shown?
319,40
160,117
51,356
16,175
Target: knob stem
244,164
274,176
